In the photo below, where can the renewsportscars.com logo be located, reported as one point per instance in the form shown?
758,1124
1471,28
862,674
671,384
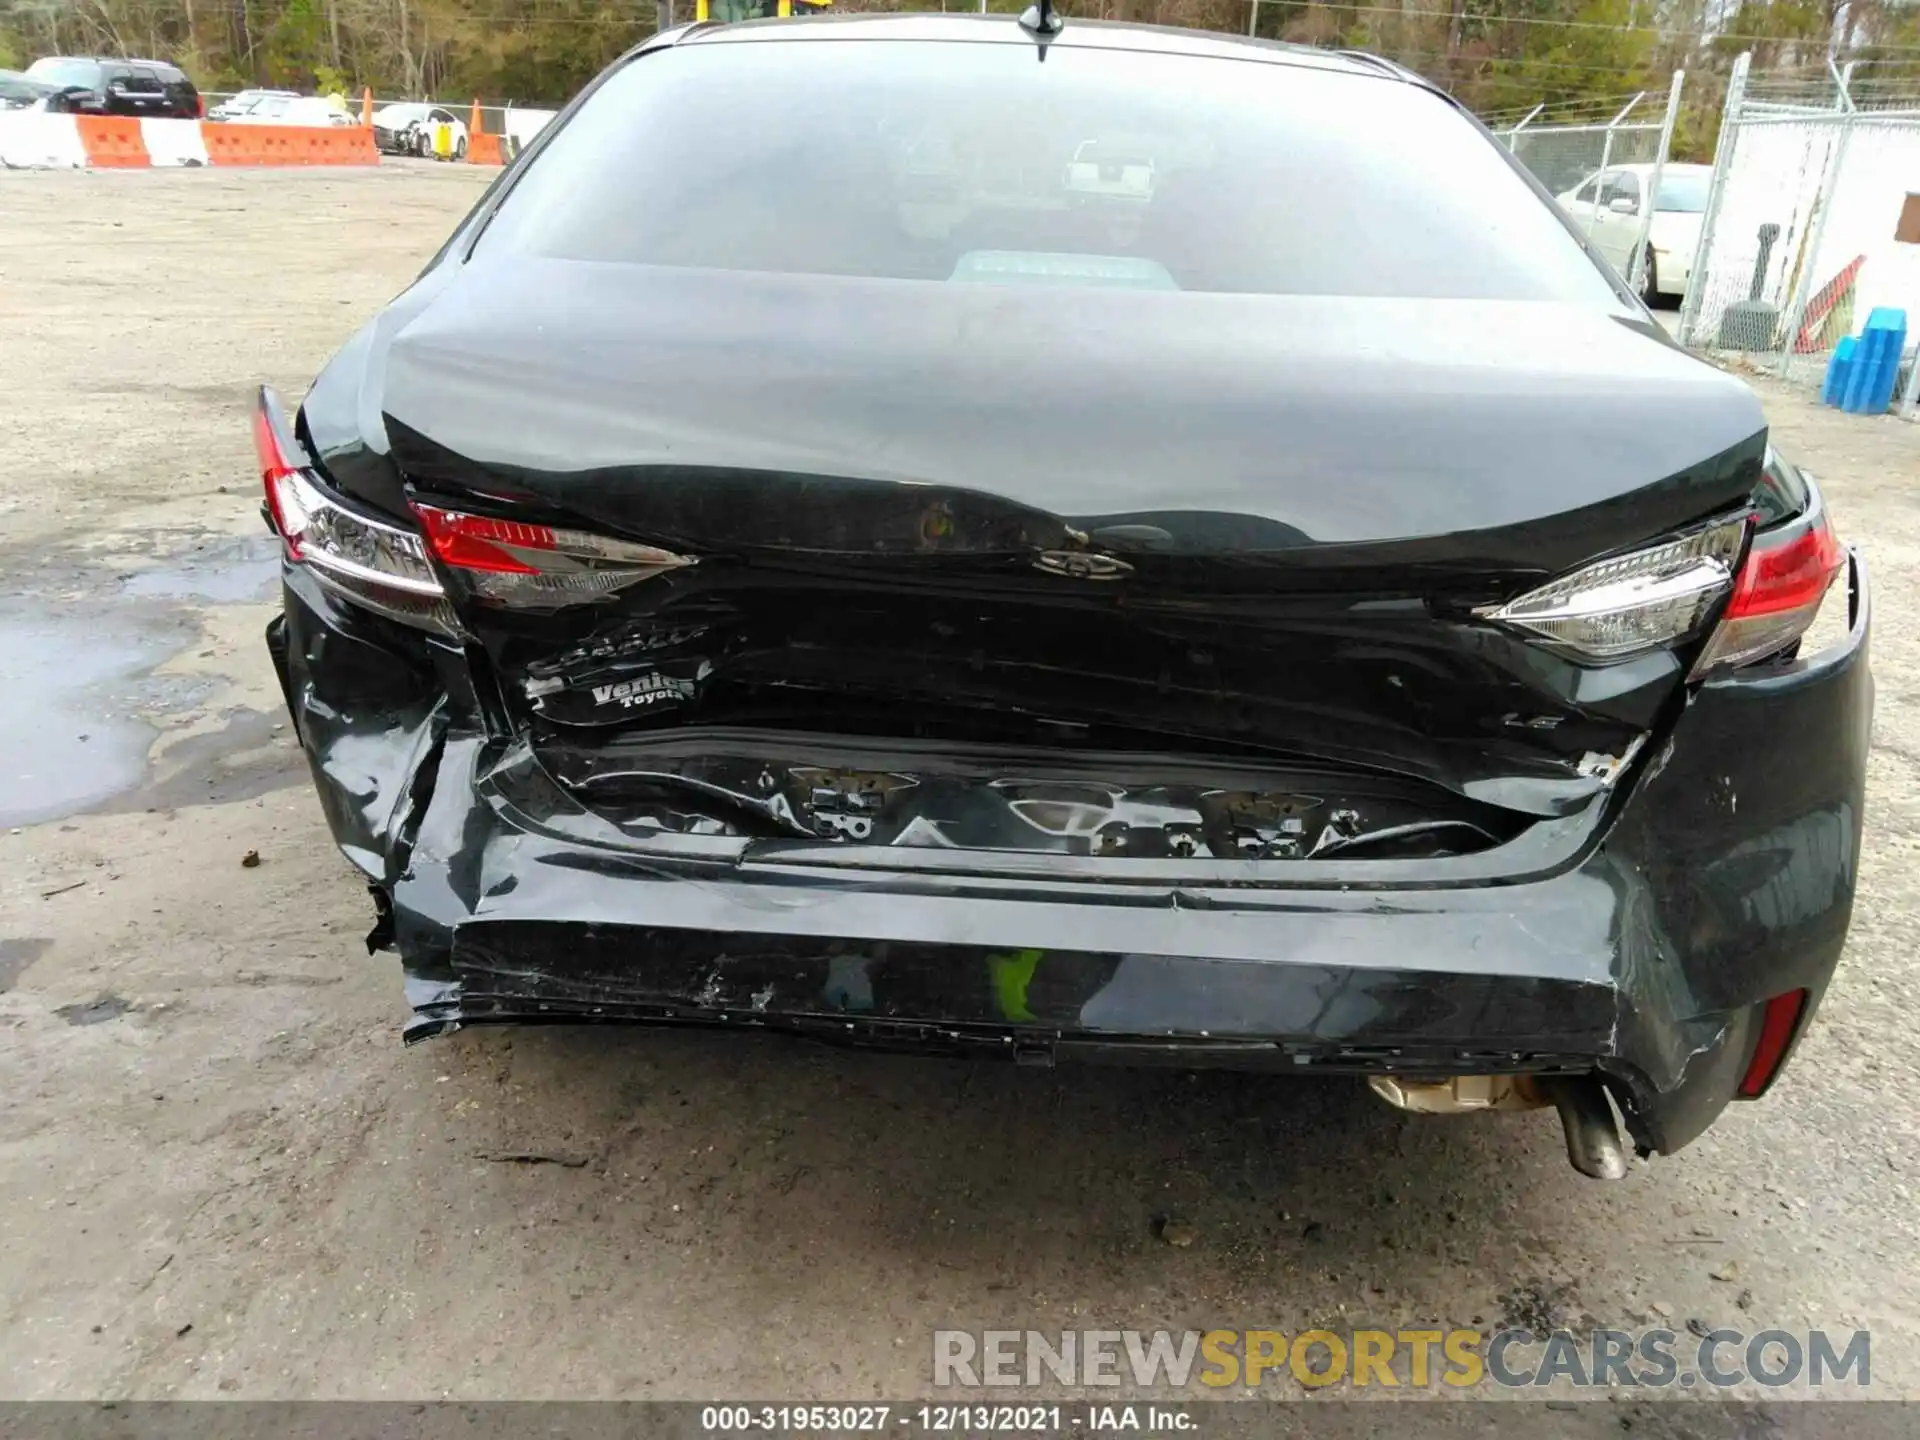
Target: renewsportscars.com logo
1389,1359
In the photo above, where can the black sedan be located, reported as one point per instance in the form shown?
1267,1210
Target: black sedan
886,573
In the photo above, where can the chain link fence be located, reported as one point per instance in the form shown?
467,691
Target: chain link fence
1606,168
1812,222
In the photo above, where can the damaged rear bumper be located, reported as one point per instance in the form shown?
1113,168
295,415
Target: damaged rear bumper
1637,942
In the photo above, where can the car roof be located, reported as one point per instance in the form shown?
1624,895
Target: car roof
117,60
1087,34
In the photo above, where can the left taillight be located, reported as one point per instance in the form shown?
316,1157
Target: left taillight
370,562
528,566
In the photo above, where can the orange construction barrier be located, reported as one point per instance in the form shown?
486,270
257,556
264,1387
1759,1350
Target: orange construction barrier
484,150
289,145
112,141
244,144
355,146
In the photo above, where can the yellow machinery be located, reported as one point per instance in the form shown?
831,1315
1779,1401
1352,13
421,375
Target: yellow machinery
728,11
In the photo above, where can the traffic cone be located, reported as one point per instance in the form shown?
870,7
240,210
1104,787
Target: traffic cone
473,118
366,106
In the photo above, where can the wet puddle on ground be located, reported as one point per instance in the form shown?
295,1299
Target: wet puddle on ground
77,651
228,571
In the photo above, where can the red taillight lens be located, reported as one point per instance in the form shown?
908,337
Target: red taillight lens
514,563
274,442
1786,576
1776,595
1777,1024
478,542
280,454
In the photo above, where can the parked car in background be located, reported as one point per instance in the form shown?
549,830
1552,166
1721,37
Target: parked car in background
19,92
148,89
408,129
292,110
1609,205
243,102
1303,616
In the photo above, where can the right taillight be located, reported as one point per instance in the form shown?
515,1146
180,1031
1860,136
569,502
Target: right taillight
1776,595
1628,604
1663,595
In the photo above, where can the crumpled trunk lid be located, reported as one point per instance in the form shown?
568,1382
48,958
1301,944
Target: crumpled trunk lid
1244,526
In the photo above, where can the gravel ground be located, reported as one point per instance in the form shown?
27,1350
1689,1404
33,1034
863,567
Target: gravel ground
220,1174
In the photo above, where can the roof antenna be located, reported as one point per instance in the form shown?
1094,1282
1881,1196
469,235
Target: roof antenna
1043,22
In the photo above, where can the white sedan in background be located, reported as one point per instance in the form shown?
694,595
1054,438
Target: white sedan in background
243,102
292,110
1609,205
408,128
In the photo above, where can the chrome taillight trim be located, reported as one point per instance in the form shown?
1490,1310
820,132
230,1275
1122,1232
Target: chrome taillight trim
1672,586
416,600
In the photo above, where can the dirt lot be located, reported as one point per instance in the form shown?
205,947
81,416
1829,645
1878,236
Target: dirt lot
220,1174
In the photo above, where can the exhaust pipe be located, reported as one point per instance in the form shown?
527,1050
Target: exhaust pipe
1593,1135
1594,1143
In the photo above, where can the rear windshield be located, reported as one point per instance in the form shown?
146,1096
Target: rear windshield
970,162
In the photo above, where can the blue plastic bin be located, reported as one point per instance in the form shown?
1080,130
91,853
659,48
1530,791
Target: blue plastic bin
1838,369
1876,362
